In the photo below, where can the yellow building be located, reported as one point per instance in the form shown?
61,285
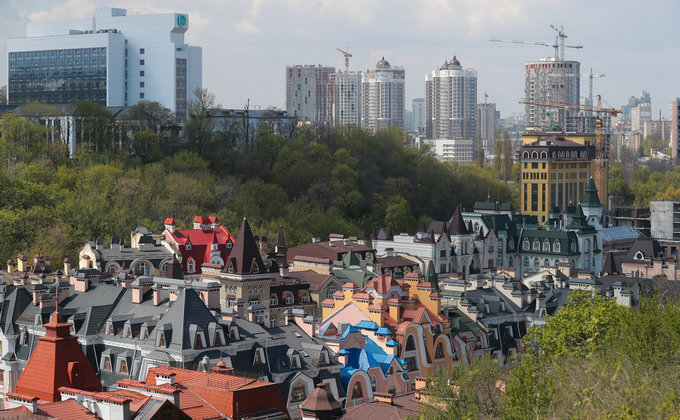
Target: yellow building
555,170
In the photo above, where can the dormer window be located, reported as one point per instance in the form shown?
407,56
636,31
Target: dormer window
525,244
191,265
228,244
107,363
256,268
24,338
219,339
161,340
556,246
289,299
305,298
638,256
230,268
187,246
295,362
274,300
259,357
123,366
546,245
537,245
330,292
145,333
198,343
324,357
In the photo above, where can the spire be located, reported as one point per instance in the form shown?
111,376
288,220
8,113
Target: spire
245,256
591,198
281,250
281,242
609,266
432,277
457,225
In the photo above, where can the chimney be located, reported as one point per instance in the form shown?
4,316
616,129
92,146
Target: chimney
38,291
63,291
316,240
284,271
139,289
386,398
67,265
211,296
174,294
197,222
82,284
165,379
10,266
22,265
214,222
170,224
156,294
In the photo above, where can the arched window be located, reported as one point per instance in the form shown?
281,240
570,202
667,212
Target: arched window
373,383
556,246
537,245
410,343
574,248
511,262
191,265
587,245
546,245
526,261
525,244
439,352
546,261
525,155
537,263
356,391
143,268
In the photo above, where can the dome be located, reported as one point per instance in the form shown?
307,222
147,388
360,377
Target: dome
383,64
454,61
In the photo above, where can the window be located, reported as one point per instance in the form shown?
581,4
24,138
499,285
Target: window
255,301
273,300
411,364
141,50
556,246
141,73
546,245
537,245
373,383
289,299
305,298
141,95
162,340
197,342
356,391
410,343
330,292
439,353
141,84
141,62
537,263
442,253
526,261
525,244
191,266
143,268
123,366
187,245
107,363
298,393
295,362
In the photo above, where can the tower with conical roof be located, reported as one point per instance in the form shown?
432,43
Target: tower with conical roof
591,205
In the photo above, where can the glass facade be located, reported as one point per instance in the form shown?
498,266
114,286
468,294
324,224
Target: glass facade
58,76
181,87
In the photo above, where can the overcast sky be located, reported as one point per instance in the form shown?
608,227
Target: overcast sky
247,43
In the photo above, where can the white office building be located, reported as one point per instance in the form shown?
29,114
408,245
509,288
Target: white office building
348,98
112,59
453,150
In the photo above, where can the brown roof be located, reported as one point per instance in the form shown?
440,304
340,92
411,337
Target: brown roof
457,225
402,406
324,250
321,400
395,261
245,253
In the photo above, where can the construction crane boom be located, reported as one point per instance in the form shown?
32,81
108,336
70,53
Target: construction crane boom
590,85
558,46
347,56
600,180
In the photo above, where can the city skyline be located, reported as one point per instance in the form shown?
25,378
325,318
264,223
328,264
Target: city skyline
634,47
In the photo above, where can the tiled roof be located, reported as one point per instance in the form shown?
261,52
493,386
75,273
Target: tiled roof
402,406
245,257
48,367
333,252
200,241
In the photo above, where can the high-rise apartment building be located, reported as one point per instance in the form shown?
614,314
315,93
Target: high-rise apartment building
310,92
382,97
548,80
487,121
639,114
675,129
418,108
450,102
112,59
347,98
555,170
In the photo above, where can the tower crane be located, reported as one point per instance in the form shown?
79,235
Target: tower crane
558,46
347,56
600,180
590,85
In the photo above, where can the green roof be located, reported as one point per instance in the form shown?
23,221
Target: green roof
591,199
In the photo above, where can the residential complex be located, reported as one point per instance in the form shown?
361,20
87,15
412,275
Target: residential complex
383,97
310,93
111,59
548,80
450,102
488,119
675,129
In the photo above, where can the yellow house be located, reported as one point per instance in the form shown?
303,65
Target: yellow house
555,170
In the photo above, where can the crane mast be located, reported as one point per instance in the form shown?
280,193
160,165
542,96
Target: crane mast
347,56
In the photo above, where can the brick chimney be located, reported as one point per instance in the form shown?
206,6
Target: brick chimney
386,398
67,265
10,266
211,296
22,264
156,294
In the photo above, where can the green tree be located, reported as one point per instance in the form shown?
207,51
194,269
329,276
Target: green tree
398,215
199,127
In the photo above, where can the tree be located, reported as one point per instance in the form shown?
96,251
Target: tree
398,215
3,95
479,157
508,158
497,150
153,116
199,128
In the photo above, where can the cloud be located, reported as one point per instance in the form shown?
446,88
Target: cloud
71,9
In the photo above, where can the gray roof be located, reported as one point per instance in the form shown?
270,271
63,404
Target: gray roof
619,233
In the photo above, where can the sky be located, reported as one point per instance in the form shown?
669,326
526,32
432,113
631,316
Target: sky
248,43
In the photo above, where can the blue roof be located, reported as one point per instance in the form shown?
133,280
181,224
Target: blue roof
383,331
367,325
619,233
392,343
363,359
343,351
349,329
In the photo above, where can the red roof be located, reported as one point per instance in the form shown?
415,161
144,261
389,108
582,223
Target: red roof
349,285
200,240
169,221
57,361
68,409
382,284
225,393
